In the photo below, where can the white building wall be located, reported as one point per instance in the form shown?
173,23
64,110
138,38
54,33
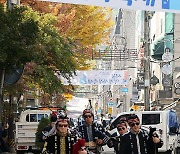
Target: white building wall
129,32
129,27
157,32
139,35
139,29
176,50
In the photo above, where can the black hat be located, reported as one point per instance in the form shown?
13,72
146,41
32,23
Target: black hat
87,111
53,118
132,117
123,119
62,114
121,123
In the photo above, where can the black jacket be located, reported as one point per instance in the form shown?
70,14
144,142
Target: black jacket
129,143
3,145
115,142
40,134
95,132
54,140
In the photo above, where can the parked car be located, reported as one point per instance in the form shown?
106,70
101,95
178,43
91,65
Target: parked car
26,129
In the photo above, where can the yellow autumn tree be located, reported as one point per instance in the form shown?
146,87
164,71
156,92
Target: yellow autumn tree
88,26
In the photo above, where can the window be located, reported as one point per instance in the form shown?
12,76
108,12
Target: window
173,122
33,117
150,119
45,116
40,116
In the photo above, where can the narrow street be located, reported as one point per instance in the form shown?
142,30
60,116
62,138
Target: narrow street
106,72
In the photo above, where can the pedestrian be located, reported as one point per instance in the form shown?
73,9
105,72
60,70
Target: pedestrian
99,126
104,123
94,138
62,141
79,147
3,138
115,138
53,120
138,141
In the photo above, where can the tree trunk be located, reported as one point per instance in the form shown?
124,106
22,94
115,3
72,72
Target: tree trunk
11,137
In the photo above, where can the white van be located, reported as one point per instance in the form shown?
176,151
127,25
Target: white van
165,123
26,129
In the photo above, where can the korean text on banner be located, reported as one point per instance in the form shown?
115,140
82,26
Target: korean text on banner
149,5
99,77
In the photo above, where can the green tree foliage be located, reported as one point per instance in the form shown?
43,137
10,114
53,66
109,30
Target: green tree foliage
17,37
27,36
42,124
87,26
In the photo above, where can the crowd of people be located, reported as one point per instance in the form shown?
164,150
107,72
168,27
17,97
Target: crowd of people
89,139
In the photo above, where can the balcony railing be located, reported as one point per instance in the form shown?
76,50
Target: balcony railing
128,54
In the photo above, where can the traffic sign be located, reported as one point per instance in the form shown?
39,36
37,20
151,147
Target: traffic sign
99,111
167,56
167,81
166,69
135,107
68,96
110,109
177,88
110,104
154,80
177,85
124,89
177,91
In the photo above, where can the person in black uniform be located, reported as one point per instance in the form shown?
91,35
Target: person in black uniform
41,136
115,138
88,131
138,141
53,120
4,134
62,141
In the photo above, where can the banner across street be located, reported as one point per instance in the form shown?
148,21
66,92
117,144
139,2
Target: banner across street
149,5
99,77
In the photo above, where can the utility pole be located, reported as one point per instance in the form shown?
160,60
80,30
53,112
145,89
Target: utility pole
146,61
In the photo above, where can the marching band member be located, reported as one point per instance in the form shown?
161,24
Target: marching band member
93,137
138,140
61,142
115,138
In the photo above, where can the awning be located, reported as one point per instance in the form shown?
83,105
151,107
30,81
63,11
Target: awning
158,50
